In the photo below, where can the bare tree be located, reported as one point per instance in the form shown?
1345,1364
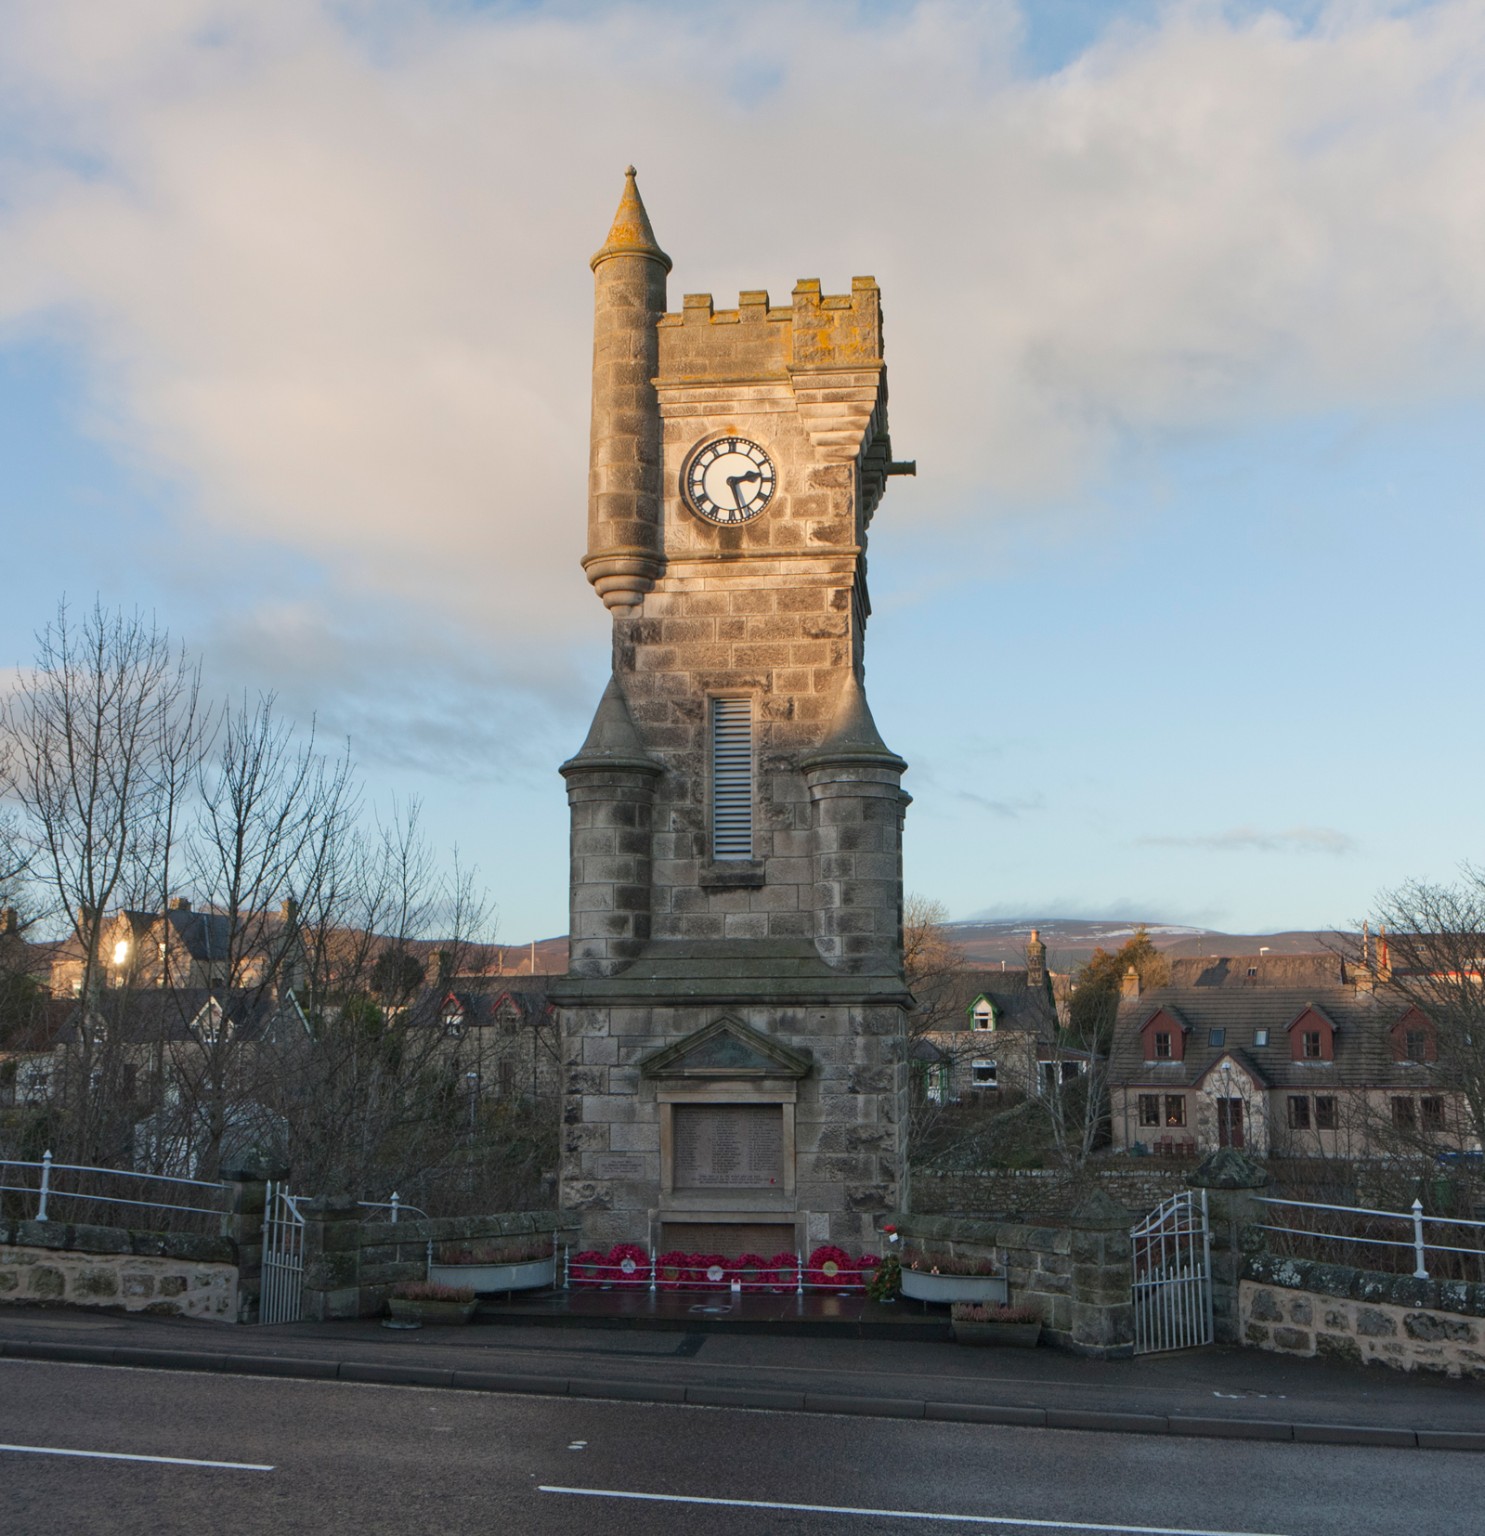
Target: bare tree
104,738
1432,952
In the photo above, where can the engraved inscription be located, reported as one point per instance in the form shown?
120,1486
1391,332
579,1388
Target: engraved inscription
621,1165
728,1146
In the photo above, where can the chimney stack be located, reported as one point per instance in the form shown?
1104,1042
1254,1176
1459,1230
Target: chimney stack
1129,984
1036,961
180,904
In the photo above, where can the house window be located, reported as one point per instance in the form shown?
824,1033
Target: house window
1216,1037
1150,1109
936,1082
732,778
1260,1037
1310,1045
1404,1116
1252,970
1433,1113
984,1017
984,1074
1415,1045
1162,1046
1175,1109
1324,1112
1299,1112
453,1025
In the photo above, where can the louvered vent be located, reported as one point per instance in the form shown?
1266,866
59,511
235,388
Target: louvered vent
732,778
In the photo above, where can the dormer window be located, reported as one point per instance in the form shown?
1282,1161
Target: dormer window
984,1015
1312,1036
453,1023
1164,1037
1414,1039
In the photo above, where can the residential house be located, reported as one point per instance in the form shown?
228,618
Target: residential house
986,1033
502,1040
1299,1056
184,948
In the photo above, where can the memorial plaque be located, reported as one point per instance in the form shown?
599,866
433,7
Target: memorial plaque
728,1146
621,1165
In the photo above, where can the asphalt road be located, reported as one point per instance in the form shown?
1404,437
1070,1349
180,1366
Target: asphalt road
330,1457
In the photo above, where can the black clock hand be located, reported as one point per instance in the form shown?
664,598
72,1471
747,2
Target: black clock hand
733,481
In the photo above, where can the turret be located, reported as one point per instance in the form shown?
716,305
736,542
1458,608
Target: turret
855,781
624,469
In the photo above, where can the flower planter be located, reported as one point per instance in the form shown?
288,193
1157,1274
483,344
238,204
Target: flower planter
1006,1335
530,1276
405,1311
920,1285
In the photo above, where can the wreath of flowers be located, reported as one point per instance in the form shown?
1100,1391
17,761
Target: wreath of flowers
831,1268
586,1268
628,1266
673,1271
711,1272
752,1271
783,1273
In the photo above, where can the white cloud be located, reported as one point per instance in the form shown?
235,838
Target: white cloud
1253,840
327,263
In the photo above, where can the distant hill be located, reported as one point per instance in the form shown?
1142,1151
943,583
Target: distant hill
1070,941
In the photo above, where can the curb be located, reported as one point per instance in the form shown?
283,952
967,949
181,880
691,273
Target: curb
603,1389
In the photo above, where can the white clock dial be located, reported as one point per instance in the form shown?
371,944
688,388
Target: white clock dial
729,481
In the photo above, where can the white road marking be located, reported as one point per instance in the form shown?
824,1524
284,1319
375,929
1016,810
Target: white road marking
168,1461
899,1514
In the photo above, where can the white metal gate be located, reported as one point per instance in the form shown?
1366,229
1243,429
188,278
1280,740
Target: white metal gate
1173,1276
283,1257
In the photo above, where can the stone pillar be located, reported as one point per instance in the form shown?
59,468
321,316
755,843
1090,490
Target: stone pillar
1232,1182
332,1258
1101,1307
244,1226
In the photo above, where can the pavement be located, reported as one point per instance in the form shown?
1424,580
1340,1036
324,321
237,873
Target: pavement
1216,1392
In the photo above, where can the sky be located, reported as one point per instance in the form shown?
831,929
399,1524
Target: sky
1185,324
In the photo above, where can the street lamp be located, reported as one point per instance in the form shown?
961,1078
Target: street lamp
472,1080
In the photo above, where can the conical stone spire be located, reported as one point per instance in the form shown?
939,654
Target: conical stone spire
612,741
631,234
853,734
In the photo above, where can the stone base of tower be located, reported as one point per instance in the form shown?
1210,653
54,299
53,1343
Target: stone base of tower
750,1094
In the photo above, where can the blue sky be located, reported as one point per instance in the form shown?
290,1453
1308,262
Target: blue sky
1186,329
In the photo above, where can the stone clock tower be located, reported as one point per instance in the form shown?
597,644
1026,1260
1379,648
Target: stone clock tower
733,1018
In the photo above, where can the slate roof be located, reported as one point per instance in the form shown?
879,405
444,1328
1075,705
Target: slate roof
150,1015
1017,1006
1363,1043
1322,970
480,1006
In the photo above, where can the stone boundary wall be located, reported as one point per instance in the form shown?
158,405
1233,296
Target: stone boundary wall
350,1265
1076,1273
166,1274
1299,1307
1139,1184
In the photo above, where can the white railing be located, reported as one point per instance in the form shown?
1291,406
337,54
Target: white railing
49,1182
1417,1238
652,1271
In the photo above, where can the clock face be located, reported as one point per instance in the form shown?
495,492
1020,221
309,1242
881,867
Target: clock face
730,481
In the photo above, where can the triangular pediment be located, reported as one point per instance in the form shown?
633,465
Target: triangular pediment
726,1048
